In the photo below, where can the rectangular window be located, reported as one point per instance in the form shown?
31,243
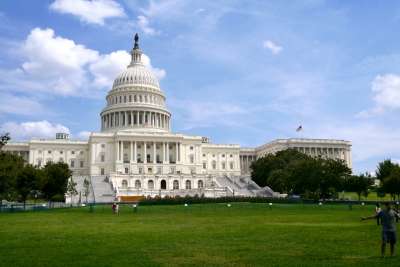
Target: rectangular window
130,98
191,148
204,165
72,152
171,171
139,147
126,170
170,147
231,155
158,170
148,147
140,171
192,171
49,152
39,163
191,159
124,98
40,151
81,164
231,166
102,158
81,152
204,155
223,155
72,164
125,146
223,166
157,147
103,145
102,171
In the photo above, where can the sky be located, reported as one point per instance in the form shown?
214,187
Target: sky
239,72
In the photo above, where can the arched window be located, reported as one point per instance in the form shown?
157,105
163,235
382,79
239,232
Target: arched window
188,184
61,160
124,183
150,184
139,158
134,98
163,184
137,184
200,184
214,166
176,184
140,98
148,158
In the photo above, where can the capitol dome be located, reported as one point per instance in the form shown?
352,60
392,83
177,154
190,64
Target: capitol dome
135,102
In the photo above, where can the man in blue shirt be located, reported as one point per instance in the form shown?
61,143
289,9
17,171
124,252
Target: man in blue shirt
388,227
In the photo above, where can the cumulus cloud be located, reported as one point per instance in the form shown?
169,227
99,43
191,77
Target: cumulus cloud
91,12
27,130
159,73
83,135
143,24
271,46
20,105
387,96
56,58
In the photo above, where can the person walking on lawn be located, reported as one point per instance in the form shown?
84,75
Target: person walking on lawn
388,227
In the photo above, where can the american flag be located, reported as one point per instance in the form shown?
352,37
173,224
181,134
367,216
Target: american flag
145,124
299,129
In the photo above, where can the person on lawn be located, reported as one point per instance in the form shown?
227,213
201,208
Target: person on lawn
388,227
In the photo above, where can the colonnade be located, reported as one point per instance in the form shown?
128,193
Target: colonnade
245,162
327,152
135,118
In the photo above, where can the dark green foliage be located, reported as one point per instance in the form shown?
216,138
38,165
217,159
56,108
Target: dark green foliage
360,184
206,200
55,179
385,168
4,138
71,188
29,179
391,184
86,189
10,167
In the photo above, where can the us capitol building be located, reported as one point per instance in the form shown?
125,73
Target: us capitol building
137,154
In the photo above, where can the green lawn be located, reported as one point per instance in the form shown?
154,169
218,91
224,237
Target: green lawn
371,197
289,235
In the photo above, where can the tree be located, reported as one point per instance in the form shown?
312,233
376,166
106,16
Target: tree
277,181
10,167
86,188
4,138
359,184
55,179
71,188
385,168
28,179
334,173
391,184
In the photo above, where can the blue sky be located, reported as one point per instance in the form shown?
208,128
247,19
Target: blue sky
239,72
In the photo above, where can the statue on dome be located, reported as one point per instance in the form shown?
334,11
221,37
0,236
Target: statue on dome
136,41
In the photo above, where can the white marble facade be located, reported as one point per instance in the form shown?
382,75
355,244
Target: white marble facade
136,142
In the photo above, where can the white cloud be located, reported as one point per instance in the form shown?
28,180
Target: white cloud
19,105
27,130
387,97
92,12
199,10
58,59
159,73
271,46
143,24
83,135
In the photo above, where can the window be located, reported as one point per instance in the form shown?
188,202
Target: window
223,166
130,98
126,160
170,147
158,170
40,151
39,163
150,184
124,98
61,152
223,155
81,164
81,152
192,171
137,184
148,147
204,165
204,155
191,148
200,184
231,155
175,184
139,158
191,159
188,184
125,146
72,152
213,155
172,171
102,158
158,158
231,166
120,99
103,145
140,171
102,171
170,158
139,147
49,152
157,147
214,165
61,160
72,164
124,183
126,170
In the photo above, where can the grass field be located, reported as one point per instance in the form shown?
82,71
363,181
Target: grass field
289,235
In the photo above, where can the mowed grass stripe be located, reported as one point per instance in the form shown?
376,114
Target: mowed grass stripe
75,237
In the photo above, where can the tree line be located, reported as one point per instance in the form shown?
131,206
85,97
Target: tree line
292,172
19,181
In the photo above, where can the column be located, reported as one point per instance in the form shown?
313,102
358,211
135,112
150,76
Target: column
117,151
135,152
137,118
93,152
154,153
176,152
163,155
114,120
131,118
31,157
145,153
122,151
167,152
131,147
180,151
